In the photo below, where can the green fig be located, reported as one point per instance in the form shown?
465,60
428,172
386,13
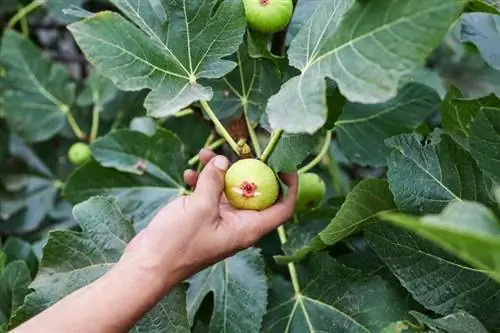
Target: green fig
311,191
250,184
268,16
79,153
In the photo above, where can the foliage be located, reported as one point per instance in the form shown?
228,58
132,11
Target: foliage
394,103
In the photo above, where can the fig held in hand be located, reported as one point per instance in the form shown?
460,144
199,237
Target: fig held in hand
268,16
250,184
310,192
79,153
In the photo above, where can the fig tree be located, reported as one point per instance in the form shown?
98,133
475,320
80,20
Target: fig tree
310,192
79,153
268,16
251,184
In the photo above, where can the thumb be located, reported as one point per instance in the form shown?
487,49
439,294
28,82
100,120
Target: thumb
210,183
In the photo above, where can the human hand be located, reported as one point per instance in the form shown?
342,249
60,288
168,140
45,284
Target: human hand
197,230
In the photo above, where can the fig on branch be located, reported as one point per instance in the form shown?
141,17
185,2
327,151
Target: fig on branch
268,16
251,184
310,192
79,153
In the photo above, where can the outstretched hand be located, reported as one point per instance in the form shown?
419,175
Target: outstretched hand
187,235
202,228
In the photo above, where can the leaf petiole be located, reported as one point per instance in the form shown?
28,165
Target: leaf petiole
291,266
23,12
220,128
74,126
214,145
321,154
95,124
273,142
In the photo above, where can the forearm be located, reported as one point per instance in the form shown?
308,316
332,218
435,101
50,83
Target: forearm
113,303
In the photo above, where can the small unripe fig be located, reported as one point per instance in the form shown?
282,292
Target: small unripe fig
310,192
268,16
79,153
250,184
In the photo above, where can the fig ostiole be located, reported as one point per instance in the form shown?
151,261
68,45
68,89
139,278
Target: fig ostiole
250,184
79,153
268,16
310,192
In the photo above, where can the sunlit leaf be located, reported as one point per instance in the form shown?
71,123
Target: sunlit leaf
365,46
168,47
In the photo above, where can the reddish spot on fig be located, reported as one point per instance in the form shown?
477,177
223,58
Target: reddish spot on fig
248,189
264,2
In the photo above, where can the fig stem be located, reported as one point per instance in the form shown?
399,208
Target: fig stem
220,128
291,266
74,126
24,11
214,145
95,124
273,142
251,131
182,113
321,154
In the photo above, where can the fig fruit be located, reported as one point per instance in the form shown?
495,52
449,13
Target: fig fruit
268,16
250,184
79,153
310,192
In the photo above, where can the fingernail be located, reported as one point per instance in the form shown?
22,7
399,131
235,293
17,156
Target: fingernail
221,163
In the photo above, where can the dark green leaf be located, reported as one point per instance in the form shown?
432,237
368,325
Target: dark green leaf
167,47
483,30
239,287
247,88
31,203
457,322
487,6
17,249
143,172
72,260
436,279
193,130
365,46
485,141
362,128
467,229
38,92
331,298
426,176
361,206
14,281
57,7
292,150
458,113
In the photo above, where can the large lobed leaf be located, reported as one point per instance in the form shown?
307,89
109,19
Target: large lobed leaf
435,278
466,229
365,46
426,176
483,30
167,46
362,128
38,92
71,260
330,297
361,206
14,281
239,286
